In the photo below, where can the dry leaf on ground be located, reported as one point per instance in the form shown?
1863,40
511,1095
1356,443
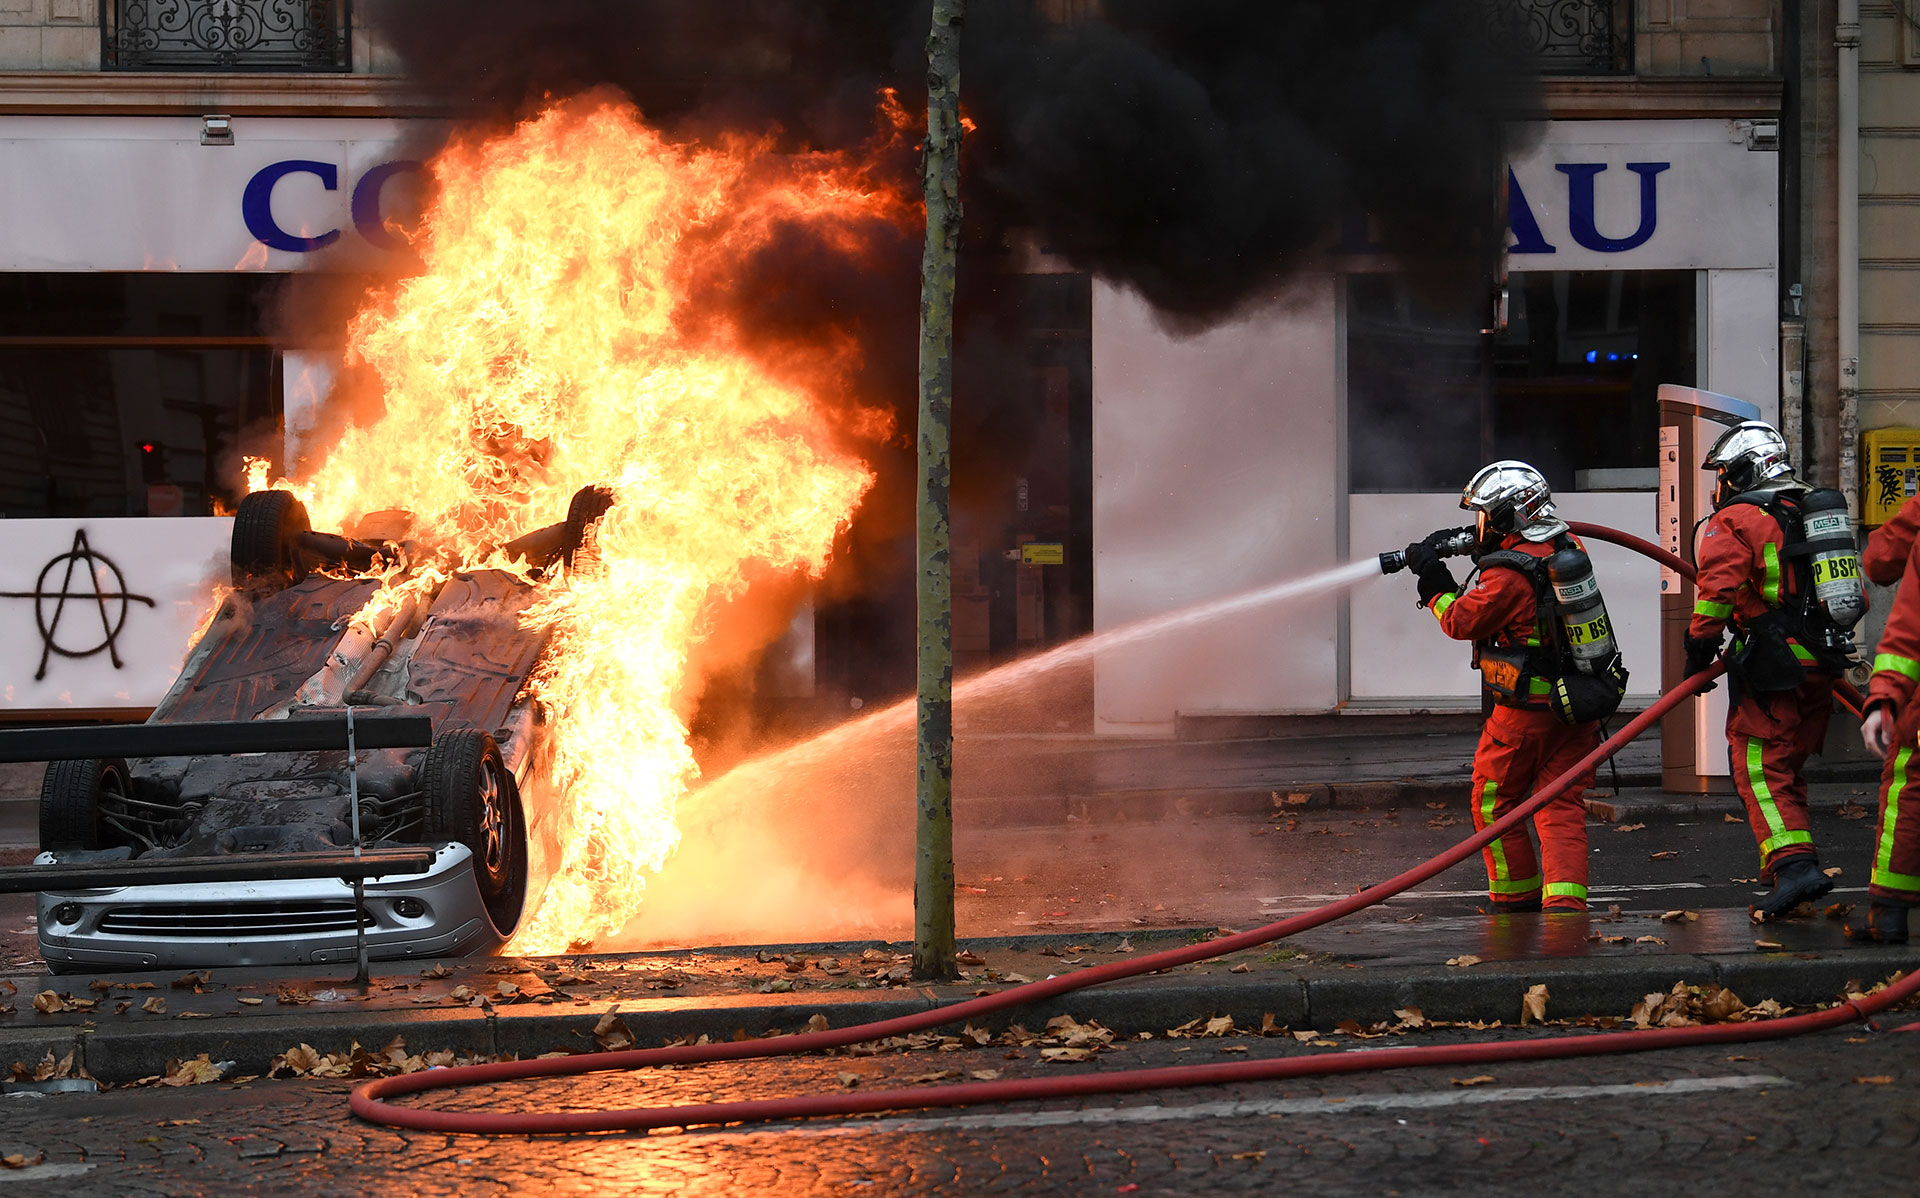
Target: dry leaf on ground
155,1006
1479,1080
1533,1005
1629,827
612,1034
1878,1079
1463,960
1663,855
19,1160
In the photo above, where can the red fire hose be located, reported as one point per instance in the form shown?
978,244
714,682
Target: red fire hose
371,1101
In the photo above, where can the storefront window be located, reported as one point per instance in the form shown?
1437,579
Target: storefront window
133,395
1569,385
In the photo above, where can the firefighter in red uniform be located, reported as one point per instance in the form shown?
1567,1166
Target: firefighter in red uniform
1544,646
1893,723
1777,562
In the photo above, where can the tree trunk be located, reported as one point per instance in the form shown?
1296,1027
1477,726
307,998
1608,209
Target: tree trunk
933,941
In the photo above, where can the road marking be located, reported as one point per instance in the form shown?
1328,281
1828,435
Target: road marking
1256,1108
43,1172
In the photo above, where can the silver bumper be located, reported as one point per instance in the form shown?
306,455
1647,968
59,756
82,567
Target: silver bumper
307,921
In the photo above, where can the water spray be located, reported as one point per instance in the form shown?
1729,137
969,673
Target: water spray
1449,542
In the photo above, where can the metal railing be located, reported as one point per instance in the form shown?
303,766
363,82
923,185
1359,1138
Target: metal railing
1566,37
225,35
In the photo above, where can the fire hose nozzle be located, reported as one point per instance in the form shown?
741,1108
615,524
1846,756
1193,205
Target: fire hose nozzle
1448,542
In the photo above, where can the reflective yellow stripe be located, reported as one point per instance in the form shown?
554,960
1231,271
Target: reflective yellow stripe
1486,817
1770,583
1566,890
1539,686
1763,797
1782,841
1893,663
1513,886
1717,611
1883,872
1800,652
1441,605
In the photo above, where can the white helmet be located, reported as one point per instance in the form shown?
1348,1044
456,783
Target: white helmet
1510,497
1748,455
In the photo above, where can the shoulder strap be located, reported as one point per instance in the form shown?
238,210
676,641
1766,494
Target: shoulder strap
1513,559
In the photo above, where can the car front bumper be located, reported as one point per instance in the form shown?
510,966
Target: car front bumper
438,913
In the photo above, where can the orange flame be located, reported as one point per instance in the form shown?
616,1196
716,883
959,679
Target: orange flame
555,339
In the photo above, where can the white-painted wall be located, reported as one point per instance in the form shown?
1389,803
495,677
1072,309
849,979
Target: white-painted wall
1216,463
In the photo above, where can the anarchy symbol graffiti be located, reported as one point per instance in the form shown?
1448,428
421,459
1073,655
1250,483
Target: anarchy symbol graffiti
103,584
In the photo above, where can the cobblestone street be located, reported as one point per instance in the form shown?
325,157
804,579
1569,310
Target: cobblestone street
1824,1112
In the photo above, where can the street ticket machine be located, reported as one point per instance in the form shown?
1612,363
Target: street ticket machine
1693,736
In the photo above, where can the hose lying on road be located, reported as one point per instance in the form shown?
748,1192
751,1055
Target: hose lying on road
371,1101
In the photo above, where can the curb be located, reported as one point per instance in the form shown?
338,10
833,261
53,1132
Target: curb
1318,997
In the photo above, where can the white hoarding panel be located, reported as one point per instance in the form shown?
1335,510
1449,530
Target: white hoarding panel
1215,471
97,613
1642,195
142,193
1399,656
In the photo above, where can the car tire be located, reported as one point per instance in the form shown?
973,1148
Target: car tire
70,795
264,554
583,512
471,798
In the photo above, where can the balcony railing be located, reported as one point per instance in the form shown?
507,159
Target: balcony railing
1567,37
225,35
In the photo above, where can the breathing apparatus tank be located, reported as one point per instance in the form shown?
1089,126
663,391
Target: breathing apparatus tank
1583,612
1835,557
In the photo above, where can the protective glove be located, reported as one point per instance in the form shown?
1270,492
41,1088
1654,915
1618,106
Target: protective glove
1701,653
1435,580
1876,731
1421,556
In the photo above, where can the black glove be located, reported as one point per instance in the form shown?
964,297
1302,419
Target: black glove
1435,580
1421,556
1702,651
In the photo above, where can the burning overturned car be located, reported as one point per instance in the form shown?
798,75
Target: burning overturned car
318,627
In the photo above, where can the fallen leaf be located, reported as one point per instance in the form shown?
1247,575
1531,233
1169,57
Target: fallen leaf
1060,1055
1629,827
1477,1080
197,1072
1878,1079
849,1080
194,980
969,957
1832,871
816,1022
1533,1005
1851,810
1233,1048
1678,916
939,1075
19,1160
612,1034
1463,960
1257,1155
984,1075
155,1006
1768,944
436,972
1663,855
252,1002
1243,967
48,1003
1306,1037
1648,940
1410,1017
1731,818
1219,1026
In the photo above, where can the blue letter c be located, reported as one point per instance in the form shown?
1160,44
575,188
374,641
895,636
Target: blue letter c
256,204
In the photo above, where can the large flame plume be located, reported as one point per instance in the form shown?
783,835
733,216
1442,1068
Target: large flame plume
556,337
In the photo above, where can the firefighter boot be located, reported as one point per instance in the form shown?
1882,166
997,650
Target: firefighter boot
1797,881
1885,923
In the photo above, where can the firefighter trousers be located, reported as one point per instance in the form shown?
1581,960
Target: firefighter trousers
1520,751
1896,840
1769,738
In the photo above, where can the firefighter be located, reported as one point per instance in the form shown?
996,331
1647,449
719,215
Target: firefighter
1545,650
1893,723
1777,562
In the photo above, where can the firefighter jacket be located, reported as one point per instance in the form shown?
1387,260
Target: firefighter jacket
1896,662
1885,557
1741,573
1501,611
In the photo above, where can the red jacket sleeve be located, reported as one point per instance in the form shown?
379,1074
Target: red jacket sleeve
1896,661
1497,600
1726,567
1885,557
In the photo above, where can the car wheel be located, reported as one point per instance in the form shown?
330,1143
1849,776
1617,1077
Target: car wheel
472,798
70,800
583,512
264,554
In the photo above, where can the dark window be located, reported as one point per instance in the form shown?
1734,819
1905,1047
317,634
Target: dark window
1570,385
133,394
225,35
